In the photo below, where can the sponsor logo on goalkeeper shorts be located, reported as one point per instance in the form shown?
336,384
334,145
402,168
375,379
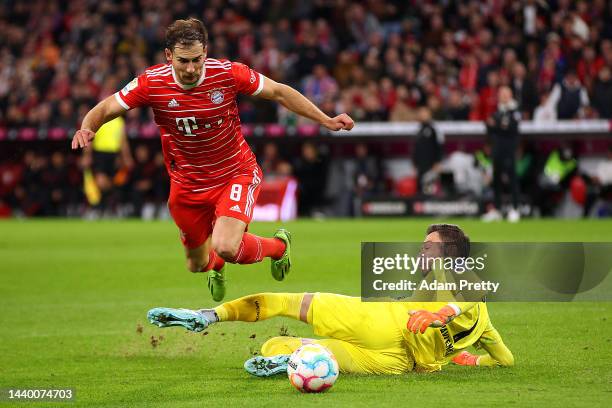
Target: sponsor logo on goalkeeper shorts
448,342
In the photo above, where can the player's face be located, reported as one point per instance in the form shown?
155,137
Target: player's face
431,248
187,61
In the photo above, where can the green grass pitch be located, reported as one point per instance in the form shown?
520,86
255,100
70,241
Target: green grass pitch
74,296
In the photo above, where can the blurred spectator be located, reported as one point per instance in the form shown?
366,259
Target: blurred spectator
146,190
141,182
309,55
502,128
344,67
602,94
435,108
487,103
363,25
366,176
457,108
553,182
524,90
374,111
66,117
57,189
570,96
402,110
272,164
84,52
484,164
589,66
546,110
311,172
32,194
320,85
602,204
109,145
427,153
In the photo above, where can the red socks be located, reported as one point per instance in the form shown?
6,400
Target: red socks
253,249
214,262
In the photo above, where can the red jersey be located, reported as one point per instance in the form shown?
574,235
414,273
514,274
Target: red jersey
199,124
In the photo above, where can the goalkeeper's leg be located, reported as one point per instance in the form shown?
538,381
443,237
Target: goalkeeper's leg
262,306
499,355
250,308
347,354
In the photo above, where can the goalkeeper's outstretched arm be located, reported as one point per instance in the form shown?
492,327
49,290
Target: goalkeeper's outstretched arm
498,355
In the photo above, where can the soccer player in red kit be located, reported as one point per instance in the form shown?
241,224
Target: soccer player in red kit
215,179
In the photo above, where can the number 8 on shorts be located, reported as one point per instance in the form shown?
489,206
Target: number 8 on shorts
235,192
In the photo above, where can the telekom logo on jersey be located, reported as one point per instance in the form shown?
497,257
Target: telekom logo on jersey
186,125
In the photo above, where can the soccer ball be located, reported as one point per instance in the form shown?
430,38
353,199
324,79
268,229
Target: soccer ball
312,368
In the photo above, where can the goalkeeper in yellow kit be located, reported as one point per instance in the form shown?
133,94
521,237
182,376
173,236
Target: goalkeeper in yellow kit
368,338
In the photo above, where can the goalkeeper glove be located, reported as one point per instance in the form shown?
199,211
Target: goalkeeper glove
420,320
466,359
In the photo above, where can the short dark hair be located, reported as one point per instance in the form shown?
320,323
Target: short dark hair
186,32
456,242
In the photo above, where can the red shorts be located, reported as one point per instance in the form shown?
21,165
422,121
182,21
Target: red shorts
195,212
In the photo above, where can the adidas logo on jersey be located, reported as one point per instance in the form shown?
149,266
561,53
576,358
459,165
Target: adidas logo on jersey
236,208
173,103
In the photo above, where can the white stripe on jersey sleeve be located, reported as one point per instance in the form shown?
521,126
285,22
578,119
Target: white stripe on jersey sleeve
121,102
260,87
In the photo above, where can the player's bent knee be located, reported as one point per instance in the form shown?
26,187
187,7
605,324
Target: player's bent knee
226,251
280,345
506,361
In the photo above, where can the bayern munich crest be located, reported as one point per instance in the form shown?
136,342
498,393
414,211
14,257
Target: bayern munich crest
216,97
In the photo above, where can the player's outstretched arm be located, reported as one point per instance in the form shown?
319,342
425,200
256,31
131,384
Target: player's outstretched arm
106,110
498,355
298,103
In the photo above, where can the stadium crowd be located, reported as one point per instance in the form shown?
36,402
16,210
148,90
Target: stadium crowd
374,60
377,61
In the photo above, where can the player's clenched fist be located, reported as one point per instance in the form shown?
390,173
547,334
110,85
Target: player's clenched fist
342,121
420,320
81,138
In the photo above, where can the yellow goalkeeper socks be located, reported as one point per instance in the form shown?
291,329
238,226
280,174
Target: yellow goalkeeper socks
261,306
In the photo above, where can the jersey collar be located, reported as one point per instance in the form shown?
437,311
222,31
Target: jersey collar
202,76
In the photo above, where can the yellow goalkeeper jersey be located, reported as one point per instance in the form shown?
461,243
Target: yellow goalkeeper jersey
436,347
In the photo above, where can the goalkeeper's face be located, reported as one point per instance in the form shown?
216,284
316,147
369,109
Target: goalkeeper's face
432,248
187,61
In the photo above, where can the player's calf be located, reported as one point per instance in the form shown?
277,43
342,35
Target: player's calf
196,265
198,258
